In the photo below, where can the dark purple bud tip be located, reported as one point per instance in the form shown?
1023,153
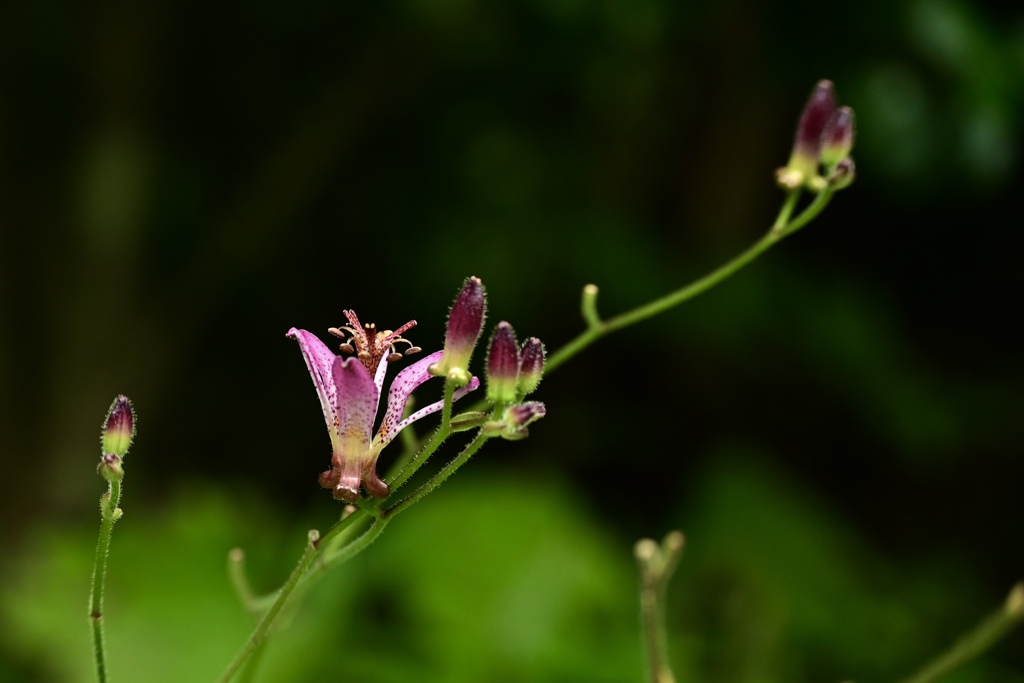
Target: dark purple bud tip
118,427
502,364
519,416
465,322
531,366
816,113
466,319
837,138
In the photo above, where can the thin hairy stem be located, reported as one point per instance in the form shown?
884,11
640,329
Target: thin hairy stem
259,634
975,642
432,444
439,478
110,512
446,409
596,328
346,552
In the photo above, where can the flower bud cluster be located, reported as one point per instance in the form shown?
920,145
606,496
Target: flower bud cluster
824,138
513,371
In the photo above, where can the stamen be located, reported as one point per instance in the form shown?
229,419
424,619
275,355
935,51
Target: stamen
392,357
412,350
347,348
336,332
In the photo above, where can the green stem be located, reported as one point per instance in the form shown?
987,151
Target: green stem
439,478
787,209
432,444
656,565
259,634
821,200
782,227
593,333
347,552
243,589
973,643
446,409
110,512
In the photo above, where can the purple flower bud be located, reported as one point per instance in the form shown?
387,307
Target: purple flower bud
118,427
837,138
502,364
843,175
465,322
515,420
807,144
531,366
524,413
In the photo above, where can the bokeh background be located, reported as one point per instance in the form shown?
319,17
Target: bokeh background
837,429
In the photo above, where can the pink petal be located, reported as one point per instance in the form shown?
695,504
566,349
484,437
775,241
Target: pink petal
320,361
355,407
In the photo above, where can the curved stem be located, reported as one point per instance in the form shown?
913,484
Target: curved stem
259,634
781,228
821,200
347,552
243,589
975,642
110,512
593,333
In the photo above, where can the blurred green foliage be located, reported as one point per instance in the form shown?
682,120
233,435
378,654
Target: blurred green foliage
837,429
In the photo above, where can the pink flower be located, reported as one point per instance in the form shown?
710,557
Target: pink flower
350,389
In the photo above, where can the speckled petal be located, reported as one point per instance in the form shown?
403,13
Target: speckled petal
356,407
320,361
356,404
402,386
427,410
378,378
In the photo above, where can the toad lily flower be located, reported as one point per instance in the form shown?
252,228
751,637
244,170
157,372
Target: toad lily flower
350,389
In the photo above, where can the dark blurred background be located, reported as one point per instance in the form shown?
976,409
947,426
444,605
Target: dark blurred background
837,428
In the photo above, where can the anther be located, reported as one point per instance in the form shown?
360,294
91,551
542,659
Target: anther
336,332
393,356
347,348
412,349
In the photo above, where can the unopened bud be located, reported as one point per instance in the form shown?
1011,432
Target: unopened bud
502,364
118,427
531,366
468,420
843,175
837,138
465,322
110,468
520,416
803,162
819,108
